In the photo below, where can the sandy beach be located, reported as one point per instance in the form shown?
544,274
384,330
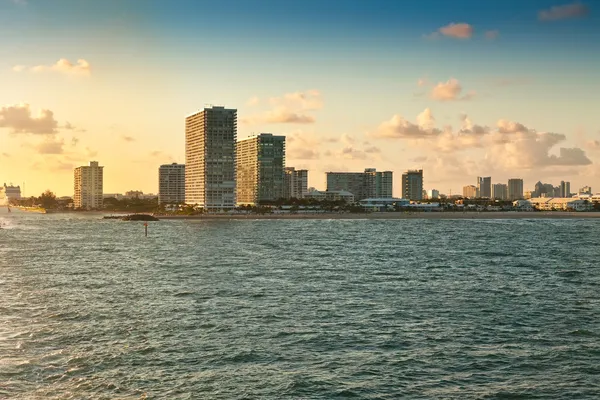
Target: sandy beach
399,215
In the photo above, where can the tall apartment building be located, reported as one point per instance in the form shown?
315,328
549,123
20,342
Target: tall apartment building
565,189
89,185
363,185
470,191
171,184
210,146
484,185
295,183
500,191
260,163
412,185
515,189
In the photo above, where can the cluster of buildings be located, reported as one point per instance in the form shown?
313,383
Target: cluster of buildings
221,172
513,190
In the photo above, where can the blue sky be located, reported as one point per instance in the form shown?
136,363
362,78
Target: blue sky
153,62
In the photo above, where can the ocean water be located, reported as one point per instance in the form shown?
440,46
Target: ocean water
302,309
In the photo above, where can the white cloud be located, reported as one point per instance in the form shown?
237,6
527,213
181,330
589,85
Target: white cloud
505,126
512,145
566,11
450,91
530,149
457,31
297,153
64,66
398,127
305,101
18,118
51,146
291,108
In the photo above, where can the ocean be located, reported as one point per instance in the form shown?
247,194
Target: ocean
298,309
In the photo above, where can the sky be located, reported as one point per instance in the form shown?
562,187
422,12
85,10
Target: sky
464,88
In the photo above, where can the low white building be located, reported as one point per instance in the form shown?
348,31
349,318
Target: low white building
562,204
523,205
383,204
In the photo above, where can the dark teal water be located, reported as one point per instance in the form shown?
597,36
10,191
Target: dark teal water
482,309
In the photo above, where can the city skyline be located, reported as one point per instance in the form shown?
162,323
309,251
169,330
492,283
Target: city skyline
351,86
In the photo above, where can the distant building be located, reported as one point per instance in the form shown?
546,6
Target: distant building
362,184
134,194
470,191
117,196
295,183
500,191
433,194
484,185
586,190
515,189
210,147
545,190
565,189
171,184
412,185
260,163
89,184
10,192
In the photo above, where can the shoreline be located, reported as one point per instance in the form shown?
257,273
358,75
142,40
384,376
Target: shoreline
395,215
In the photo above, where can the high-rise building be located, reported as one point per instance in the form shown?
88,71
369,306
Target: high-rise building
260,168
412,185
586,190
384,184
484,185
295,183
89,185
500,191
433,194
363,185
565,189
171,184
515,189
210,146
10,192
470,191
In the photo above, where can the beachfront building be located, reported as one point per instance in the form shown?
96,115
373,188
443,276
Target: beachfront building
210,147
10,192
500,191
515,189
171,184
470,192
522,205
362,185
89,182
412,184
260,163
561,204
484,187
383,204
295,183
